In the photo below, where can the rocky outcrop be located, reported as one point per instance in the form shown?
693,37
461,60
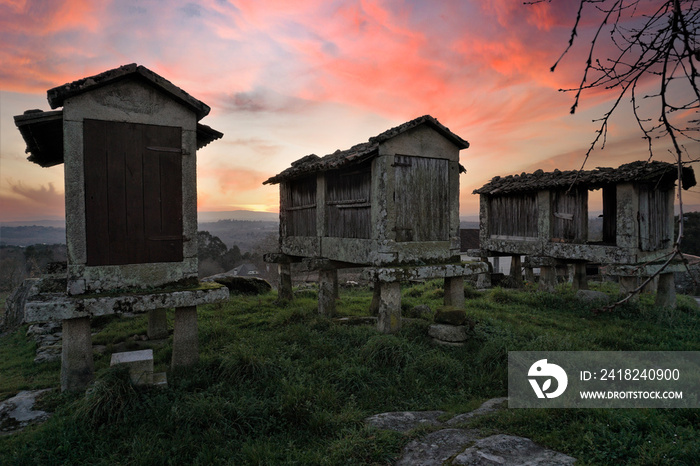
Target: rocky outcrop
457,446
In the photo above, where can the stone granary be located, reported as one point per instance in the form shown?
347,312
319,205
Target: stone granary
128,139
390,205
545,216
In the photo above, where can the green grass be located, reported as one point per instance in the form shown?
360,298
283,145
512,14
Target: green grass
281,384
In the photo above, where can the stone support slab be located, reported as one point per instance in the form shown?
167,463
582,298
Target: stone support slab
157,324
666,291
389,319
77,366
454,292
59,306
327,286
185,338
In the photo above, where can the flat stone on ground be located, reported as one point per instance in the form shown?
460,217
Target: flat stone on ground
508,450
404,421
437,447
18,412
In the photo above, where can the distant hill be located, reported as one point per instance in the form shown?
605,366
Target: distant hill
34,234
243,233
208,217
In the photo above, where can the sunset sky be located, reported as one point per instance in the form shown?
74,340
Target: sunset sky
286,79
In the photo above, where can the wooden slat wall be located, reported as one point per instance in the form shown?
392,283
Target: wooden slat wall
573,204
133,195
422,199
653,219
610,215
348,196
299,199
513,215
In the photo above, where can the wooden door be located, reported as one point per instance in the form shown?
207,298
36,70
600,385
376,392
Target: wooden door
133,193
422,199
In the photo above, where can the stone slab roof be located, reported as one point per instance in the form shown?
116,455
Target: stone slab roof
660,173
43,134
58,95
360,152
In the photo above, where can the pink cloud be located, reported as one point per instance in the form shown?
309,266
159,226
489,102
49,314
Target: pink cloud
27,202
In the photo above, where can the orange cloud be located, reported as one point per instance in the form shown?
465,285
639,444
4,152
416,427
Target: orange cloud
26,202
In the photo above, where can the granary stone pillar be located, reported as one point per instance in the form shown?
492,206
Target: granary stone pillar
529,274
77,366
652,286
548,278
376,293
327,289
454,292
185,338
628,283
579,280
515,271
389,319
666,291
157,324
284,288
483,280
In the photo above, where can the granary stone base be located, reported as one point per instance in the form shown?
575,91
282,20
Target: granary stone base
666,291
389,319
454,291
77,366
327,291
157,324
185,338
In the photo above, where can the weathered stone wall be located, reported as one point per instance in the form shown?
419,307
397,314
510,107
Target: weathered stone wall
125,101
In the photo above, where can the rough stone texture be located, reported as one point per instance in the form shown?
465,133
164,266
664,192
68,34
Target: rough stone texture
185,338
548,279
284,289
140,364
463,446
591,296
449,333
628,284
77,367
454,291
54,306
18,412
48,337
157,324
666,291
241,285
13,315
579,280
327,286
436,447
488,406
404,421
450,316
425,272
389,319
508,450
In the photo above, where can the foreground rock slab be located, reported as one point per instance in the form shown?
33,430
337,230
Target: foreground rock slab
450,445
18,412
